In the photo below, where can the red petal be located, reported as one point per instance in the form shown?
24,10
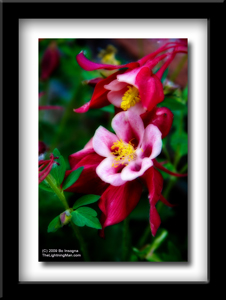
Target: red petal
90,66
88,181
150,88
160,167
154,182
117,202
161,117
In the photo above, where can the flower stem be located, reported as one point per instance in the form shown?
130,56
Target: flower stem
60,194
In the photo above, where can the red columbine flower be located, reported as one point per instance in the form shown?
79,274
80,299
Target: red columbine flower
116,164
45,167
134,84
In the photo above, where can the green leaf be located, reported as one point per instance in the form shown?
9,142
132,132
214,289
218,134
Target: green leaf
72,178
185,94
87,199
179,142
54,224
85,216
58,171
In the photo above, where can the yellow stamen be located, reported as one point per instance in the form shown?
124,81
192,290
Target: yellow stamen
123,153
130,98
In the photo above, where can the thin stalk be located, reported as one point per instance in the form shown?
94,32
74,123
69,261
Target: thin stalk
60,194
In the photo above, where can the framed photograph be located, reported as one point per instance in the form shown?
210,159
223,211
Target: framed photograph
118,111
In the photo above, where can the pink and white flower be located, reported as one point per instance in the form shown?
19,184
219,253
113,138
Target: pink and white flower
129,152
113,163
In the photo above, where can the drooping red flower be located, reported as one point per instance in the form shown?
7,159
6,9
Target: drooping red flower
116,164
45,167
134,84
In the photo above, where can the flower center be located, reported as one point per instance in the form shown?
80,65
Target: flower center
123,153
130,98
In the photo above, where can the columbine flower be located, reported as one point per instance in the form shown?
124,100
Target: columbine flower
116,164
129,152
45,167
135,84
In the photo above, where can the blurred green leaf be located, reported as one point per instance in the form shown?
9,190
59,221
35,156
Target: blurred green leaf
179,141
58,171
87,199
85,216
54,225
72,178
185,94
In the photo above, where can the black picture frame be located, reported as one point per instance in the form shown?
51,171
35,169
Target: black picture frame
213,12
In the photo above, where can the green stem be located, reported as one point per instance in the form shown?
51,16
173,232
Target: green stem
60,194
81,242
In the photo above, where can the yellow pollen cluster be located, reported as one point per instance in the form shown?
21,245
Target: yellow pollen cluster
123,153
130,98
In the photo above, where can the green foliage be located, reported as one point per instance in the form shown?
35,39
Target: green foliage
85,216
72,178
58,171
87,199
54,225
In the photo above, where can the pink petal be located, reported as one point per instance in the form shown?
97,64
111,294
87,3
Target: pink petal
115,97
108,173
115,85
117,203
103,140
136,169
129,76
152,142
128,126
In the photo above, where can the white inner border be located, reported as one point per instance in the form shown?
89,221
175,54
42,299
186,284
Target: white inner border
30,30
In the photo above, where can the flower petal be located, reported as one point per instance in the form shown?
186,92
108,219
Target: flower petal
90,66
88,180
127,126
116,203
109,173
152,142
115,85
150,88
136,168
129,76
103,141
115,97
75,158
161,117
154,182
